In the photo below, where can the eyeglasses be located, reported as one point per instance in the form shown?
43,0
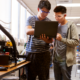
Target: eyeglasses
59,16
44,12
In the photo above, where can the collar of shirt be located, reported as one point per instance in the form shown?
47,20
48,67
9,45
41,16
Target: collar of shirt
38,18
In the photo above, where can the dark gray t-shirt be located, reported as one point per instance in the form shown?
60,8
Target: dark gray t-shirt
60,46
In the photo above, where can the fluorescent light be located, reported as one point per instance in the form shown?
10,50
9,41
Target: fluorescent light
70,5
72,17
78,24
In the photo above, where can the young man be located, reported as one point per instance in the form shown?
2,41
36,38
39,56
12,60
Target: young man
66,41
37,50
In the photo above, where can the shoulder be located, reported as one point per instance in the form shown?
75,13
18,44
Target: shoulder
31,17
30,20
72,24
73,28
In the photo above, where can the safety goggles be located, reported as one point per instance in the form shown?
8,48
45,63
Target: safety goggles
44,12
59,16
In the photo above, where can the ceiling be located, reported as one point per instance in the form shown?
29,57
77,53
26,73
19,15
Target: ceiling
71,11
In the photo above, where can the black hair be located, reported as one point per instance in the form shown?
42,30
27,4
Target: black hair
61,9
44,4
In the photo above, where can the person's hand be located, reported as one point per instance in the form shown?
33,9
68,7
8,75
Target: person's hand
59,37
44,37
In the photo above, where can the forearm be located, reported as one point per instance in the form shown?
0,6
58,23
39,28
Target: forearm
30,32
70,42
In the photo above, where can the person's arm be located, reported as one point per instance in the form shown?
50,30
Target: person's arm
70,42
29,30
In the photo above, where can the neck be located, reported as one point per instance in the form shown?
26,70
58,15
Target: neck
39,17
64,22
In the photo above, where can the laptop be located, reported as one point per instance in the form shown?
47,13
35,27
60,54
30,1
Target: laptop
49,28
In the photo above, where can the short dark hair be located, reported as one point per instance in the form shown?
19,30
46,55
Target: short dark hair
61,9
44,4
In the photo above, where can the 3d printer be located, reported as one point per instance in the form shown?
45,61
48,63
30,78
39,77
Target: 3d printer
8,54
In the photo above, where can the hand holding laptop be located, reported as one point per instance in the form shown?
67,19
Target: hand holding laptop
46,38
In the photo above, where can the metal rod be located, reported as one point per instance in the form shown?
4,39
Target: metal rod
15,52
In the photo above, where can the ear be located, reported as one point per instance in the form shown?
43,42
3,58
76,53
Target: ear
38,9
64,15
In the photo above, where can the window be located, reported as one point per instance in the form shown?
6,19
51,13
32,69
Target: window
15,13
5,14
22,22
13,18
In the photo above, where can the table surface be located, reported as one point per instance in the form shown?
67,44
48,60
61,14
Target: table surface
2,73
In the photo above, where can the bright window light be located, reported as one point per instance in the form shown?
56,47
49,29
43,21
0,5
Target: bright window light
78,24
72,17
70,5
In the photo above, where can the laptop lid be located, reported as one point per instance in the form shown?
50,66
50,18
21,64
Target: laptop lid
49,28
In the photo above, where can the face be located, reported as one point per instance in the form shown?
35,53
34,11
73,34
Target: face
43,13
59,16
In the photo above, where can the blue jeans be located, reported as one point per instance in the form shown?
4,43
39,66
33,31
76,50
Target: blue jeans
61,71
